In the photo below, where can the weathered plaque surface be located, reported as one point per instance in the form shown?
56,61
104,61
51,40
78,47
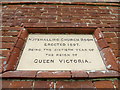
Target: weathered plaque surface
60,52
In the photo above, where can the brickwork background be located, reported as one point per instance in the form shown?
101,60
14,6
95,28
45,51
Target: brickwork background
103,15
70,85
69,0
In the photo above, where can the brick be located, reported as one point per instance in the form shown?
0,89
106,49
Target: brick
109,59
24,34
15,50
74,84
79,74
6,83
37,30
3,61
7,45
9,33
87,84
20,43
35,25
44,84
53,24
1,70
116,40
98,34
34,20
103,84
102,44
13,59
8,24
8,39
85,31
54,74
10,74
109,29
117,53
114,46
108,40
118,34
116,83
101,74
5,53
114,25
19,74
21,84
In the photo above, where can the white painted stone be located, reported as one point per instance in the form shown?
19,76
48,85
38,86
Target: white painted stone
44,46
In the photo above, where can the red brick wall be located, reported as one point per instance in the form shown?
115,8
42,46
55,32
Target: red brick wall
82,15
100,15
70,15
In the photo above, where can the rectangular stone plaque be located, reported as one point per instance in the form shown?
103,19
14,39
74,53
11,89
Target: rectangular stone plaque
61,52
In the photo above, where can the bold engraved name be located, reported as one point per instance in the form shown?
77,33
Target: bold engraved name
61,61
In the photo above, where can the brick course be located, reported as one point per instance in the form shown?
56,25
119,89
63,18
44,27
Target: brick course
83,84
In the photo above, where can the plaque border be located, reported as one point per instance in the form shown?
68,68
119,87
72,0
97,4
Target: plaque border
108,56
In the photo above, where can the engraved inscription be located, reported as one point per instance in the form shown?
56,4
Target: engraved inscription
60,52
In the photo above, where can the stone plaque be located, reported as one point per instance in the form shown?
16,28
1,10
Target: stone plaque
61,52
